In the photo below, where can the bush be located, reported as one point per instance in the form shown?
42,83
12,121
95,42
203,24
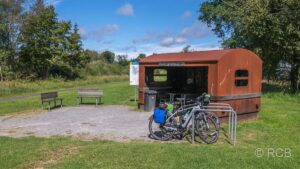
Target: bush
64,71
100,68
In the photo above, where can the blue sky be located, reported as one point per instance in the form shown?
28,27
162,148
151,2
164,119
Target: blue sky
131,27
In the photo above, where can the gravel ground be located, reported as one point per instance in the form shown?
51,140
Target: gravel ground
118,123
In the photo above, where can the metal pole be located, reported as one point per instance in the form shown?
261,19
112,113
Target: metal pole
193,128
235,119
229,125
232,128
135,88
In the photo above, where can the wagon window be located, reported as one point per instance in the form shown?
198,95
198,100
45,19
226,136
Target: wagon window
241,73
241,78
160,75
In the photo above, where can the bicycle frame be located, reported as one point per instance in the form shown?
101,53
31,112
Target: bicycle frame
192,109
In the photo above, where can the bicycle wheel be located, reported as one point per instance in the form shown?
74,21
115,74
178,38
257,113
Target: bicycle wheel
215,118
158,131
207,130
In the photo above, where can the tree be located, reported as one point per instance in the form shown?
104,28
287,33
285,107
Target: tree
49,46
91,55
139,57
122,60
186,49
10,22
268,27
75,48
61,52
38,6
38,43
69,58
108,56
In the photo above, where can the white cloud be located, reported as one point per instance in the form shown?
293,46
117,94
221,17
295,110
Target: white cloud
98,34
195,31
53,2
186,14
126,10
162,38
169,41
107,29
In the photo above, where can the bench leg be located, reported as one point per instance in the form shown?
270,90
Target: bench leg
96,101
80,100
49,106
61,104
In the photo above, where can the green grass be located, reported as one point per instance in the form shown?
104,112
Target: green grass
21,87
277,128
114,93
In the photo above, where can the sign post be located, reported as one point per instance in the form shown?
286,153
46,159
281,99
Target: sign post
134,77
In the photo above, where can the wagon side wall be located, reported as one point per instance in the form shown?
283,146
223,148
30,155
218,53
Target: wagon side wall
245,98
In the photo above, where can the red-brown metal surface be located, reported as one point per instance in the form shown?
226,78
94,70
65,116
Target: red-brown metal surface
222,65
213,55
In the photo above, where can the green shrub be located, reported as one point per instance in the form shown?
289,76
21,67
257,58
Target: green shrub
100,68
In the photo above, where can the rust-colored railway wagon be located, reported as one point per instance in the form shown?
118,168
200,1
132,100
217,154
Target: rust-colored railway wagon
232,76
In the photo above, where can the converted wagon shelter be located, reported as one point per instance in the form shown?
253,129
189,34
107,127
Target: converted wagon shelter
232,76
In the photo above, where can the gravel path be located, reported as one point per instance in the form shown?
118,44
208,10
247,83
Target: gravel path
117,123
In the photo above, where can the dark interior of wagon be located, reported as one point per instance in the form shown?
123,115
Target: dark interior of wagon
189,82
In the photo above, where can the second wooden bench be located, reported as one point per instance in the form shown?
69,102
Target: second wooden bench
89,93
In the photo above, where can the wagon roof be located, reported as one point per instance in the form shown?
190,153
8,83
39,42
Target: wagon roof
195,56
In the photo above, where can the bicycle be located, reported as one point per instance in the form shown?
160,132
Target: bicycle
206,126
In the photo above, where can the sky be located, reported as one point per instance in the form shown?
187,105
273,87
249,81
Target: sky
130,27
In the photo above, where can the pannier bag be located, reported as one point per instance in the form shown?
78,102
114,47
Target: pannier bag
159,116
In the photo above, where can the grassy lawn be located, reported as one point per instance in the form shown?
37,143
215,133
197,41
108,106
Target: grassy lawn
117,91
276,129
21,87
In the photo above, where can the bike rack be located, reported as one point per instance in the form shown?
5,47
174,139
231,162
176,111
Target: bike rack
232,119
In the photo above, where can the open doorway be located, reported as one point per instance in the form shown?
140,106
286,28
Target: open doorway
190,81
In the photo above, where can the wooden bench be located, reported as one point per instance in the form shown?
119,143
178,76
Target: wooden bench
50,97
89,93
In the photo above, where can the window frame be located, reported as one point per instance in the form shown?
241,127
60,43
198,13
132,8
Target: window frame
160,75
241,77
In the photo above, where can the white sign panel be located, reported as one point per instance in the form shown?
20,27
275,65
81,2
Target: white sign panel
134,73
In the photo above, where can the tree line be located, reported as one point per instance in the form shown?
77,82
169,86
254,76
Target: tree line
271,28
34,44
